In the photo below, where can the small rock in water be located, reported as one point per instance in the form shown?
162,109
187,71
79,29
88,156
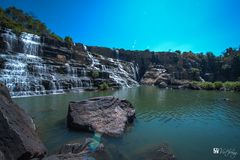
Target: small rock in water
161,152
89,150
162,85
107,115
226,99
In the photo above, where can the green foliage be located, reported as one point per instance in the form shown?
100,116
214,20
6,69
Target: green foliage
232,85
19,21
95,74
68,40
229,85
237,86
195,83
178,52
207,85
218,85
195,71
53,35
103,86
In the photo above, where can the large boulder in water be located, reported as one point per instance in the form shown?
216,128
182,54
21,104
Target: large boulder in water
107,115
18,140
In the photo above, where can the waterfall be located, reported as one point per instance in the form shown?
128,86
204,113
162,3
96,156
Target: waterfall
31,43
124,74
10,39
29,75
26,43
94,62
117,54
26,73
17,77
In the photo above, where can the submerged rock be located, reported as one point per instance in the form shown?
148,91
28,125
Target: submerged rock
162,85
107,115
161,152
18,137
194,86
92,148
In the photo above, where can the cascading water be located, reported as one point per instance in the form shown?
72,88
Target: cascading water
121,75
10,39
25,72
31,43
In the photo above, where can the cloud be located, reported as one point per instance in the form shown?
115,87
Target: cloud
134,44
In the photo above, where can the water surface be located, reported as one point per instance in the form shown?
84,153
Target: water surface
192,123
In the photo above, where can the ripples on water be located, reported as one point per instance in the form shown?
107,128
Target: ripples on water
191,122
204,106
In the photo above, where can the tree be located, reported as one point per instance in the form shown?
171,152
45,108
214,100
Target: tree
68,40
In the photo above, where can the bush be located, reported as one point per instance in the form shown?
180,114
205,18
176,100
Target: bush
53,35
95,74
206,85
218,85
229,85
195,71
237,86
232,85
103,86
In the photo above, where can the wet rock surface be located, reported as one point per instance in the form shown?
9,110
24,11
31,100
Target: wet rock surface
162,85
91,148
18,138
107,115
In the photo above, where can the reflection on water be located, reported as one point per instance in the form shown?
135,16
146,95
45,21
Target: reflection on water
190,122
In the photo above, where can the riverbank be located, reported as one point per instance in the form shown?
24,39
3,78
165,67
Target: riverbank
221,86
197,85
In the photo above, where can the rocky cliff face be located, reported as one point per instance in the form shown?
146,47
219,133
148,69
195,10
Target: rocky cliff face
33,65
176,65
18,139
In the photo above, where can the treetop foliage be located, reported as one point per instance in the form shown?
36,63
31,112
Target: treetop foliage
20,21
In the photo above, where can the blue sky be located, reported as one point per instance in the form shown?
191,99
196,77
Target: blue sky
159,25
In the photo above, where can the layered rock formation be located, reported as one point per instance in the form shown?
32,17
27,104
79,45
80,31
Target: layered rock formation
160,76
18,138
33,65
155,75
107,115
